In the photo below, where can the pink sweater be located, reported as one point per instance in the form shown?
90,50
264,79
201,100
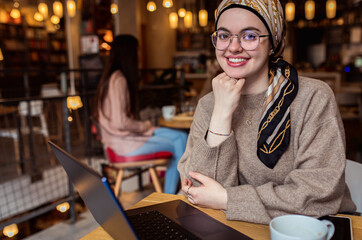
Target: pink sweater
120,132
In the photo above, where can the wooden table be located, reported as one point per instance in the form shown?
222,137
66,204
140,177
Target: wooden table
180,121
255,231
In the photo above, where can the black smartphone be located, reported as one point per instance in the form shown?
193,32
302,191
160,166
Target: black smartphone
342,225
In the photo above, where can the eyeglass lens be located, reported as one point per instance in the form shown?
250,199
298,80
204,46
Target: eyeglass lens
248,40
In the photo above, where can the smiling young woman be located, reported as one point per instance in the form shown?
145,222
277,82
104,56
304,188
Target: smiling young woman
265,142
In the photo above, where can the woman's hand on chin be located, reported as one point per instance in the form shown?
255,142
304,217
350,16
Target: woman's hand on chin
227,93
209,194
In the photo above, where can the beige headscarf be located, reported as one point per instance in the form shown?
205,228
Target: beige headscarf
274,127
269,11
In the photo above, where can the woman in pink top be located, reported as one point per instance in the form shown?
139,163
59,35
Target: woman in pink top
117,112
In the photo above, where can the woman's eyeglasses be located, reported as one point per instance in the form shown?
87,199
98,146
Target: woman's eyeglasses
248,40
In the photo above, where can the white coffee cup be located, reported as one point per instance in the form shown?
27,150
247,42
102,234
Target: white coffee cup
168,112
299,227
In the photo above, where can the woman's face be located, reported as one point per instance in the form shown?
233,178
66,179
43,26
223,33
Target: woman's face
236,61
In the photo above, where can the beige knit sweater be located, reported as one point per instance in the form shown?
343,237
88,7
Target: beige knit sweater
309,177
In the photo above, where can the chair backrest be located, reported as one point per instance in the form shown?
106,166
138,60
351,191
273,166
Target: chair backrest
354,179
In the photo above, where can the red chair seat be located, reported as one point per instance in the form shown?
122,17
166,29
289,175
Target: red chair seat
114,158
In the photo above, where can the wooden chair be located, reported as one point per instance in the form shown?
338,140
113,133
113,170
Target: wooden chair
133,164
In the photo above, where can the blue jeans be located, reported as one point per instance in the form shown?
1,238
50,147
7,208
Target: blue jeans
166,139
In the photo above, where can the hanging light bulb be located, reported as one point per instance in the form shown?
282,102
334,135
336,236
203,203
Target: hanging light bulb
71,8
167,3
309,8
188,19
15,13
173,20
289,11
151,6
55,19
182,12
331,8
58,9
43,9
38,16
11,230
114,8
203,18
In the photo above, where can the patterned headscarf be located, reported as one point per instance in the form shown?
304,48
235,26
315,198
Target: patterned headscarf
274,126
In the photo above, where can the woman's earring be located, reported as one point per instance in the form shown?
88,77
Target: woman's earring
271,52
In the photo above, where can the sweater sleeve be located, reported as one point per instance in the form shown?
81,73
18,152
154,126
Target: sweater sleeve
316,185
118,96
200,157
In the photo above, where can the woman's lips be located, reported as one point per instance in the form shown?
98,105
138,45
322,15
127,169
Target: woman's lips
236,61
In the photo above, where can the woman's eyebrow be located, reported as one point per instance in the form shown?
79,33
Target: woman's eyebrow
242,30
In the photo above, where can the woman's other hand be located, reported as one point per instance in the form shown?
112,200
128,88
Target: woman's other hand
209,194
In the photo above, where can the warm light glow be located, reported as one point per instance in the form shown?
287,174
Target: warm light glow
55,19
58,9
3,16
108,36
188,19
331,8
151,6
182,12
15,13
203,18
11,230
173,20
167,3
105,46
38,16
114,8
43,9
309,8
1,55
74,102
289,11
65,205
70,119
71,8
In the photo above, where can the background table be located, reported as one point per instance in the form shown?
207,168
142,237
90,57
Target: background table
180,121
255,231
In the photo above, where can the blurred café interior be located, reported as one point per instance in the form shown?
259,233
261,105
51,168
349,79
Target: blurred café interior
52,54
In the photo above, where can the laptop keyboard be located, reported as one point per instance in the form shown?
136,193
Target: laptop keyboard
155,225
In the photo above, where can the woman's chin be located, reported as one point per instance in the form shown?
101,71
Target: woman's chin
235,75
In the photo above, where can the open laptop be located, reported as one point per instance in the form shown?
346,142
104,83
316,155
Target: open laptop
148,222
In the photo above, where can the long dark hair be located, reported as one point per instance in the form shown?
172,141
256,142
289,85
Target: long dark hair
123,57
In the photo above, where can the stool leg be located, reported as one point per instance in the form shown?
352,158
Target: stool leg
117,187
156,182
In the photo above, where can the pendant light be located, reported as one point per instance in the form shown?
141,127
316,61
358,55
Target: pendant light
114,8
151,6
38,16
167,3
182,12
71,8
15,13
173,18
309,8
43,9
63,207
55,19
290,11
58,9
203,15
188,19
331,8
203,18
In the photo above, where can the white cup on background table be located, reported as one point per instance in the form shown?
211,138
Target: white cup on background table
168,112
